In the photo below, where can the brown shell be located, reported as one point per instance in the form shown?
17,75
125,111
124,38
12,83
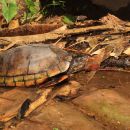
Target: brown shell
32,64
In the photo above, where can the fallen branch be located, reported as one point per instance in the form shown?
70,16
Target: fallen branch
52,35
42,99
69,89
29,29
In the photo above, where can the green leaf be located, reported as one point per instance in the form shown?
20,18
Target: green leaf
9,10
33,7
68,19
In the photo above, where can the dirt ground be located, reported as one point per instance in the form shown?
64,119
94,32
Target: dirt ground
108,81
103,104
118,81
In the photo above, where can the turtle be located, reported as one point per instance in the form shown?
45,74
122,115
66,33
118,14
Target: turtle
33,64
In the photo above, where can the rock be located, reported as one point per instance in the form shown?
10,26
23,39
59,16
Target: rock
108,105
11,101
64,117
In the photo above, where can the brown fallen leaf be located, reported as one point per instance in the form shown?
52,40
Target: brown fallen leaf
93,62
13,24
113,22
127,51
116,47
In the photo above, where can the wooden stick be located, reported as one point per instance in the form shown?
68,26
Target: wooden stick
53,35
42,99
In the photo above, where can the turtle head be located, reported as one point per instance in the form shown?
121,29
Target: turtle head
78,63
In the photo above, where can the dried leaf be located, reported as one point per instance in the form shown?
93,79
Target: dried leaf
116,47
113,22
93,62
13,24
127,51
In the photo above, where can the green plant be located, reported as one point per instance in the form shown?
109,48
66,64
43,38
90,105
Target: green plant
55,129
9,9
55,3
68,19
33,9
51,5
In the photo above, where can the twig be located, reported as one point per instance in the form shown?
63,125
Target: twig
42,99
8,47
53,35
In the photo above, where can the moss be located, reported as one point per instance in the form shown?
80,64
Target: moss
110,112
